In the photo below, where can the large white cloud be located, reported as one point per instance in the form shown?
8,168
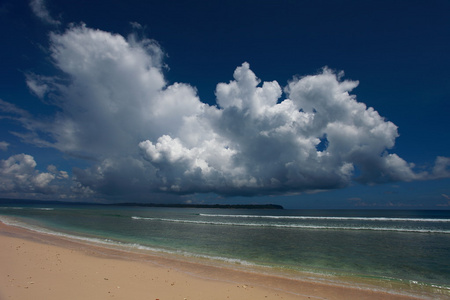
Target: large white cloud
116,108
257,144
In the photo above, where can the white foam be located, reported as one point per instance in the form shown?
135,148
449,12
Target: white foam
330,218
300,226
114,244
10,207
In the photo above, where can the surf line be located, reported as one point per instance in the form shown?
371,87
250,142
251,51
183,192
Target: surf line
329,218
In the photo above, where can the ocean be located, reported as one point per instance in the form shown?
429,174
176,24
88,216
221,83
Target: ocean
408,250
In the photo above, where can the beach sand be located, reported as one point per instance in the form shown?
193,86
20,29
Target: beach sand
38,266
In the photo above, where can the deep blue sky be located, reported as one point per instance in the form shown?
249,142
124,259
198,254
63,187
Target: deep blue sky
397,50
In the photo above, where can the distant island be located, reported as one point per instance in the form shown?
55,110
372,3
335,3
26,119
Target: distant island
184,205
176,205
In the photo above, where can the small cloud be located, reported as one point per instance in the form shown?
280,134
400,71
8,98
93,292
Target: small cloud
441,168
37,85
4,146
445,204
19,176
19,173
40,10
136,25
59,174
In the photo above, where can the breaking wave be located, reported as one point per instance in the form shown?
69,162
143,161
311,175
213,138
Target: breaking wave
298,226
329,218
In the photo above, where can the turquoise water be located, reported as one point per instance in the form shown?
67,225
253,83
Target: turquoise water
399,246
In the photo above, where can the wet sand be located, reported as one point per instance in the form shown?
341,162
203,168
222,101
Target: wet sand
39,266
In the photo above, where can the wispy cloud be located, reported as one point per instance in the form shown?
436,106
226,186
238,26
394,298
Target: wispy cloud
38,86
136,25
40,10
4,146
150,136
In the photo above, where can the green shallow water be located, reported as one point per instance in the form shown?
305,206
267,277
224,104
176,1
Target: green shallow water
407,249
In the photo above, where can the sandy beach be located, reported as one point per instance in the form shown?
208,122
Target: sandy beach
37,266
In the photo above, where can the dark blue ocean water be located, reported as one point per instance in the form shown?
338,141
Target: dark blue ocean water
388,245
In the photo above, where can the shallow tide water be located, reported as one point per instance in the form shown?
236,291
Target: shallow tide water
409,249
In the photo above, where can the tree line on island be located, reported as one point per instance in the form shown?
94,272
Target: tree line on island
175,205
185,205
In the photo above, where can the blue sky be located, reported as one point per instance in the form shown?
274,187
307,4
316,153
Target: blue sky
335,104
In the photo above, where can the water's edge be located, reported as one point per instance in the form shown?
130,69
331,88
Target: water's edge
372,283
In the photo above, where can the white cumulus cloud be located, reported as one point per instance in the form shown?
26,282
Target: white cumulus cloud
18,174
145,135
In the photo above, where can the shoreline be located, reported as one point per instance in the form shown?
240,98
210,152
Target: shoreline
136,275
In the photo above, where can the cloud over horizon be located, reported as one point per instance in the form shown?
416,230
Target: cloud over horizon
144,134
18,175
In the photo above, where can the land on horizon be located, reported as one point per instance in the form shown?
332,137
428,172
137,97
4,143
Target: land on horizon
179,205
